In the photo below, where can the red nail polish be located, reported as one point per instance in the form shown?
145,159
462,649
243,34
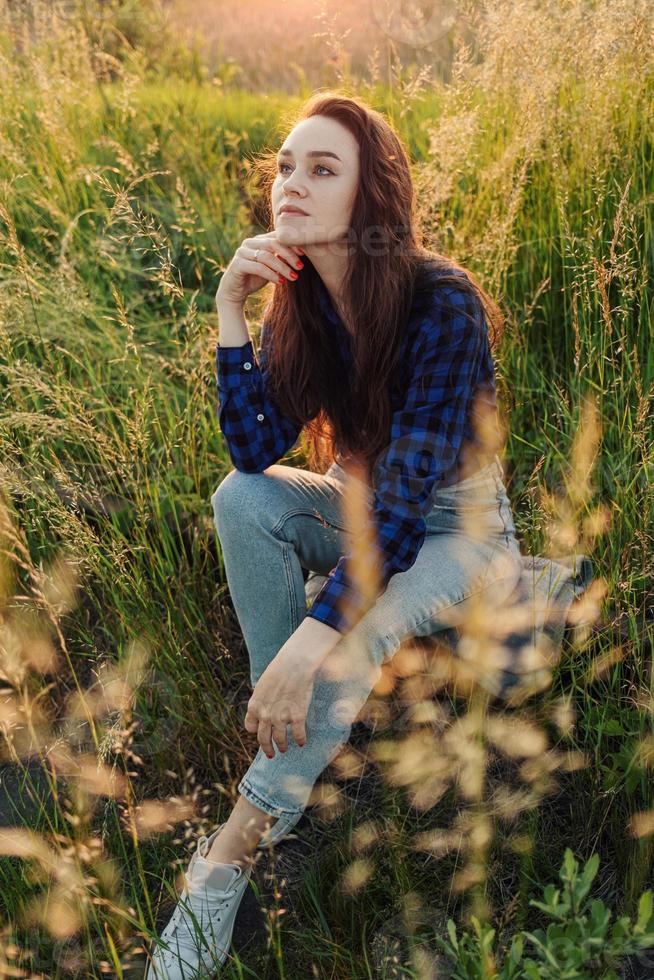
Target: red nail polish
281,280
300,265
294,275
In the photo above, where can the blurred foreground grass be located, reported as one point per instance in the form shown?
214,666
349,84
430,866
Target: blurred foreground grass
120,202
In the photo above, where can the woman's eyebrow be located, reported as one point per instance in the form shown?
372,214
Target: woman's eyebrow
311,153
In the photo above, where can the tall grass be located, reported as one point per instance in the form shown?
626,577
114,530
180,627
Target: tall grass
124,675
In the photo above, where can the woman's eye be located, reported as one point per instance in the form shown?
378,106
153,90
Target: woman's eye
319,166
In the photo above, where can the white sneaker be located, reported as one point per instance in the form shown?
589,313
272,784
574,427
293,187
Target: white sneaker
199,932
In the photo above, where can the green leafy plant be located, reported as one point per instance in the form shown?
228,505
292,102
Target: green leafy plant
579,943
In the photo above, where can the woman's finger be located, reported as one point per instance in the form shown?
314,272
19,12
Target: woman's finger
264,737
251,720
280,735
299,731
285,264
287,253
258,269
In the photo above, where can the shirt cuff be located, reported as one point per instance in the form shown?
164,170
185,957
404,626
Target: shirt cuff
235,365
339,604
329,616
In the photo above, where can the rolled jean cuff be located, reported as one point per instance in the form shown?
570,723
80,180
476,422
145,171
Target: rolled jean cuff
246,789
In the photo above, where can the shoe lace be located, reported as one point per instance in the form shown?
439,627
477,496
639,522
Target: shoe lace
185,932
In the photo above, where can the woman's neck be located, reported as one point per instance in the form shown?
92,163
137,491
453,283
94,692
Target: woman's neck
332,269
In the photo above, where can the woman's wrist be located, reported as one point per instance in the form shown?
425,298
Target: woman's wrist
232,325
224,302
311,642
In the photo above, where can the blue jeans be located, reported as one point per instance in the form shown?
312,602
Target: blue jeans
275,525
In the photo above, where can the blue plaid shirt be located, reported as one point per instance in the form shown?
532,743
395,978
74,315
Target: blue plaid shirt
446,361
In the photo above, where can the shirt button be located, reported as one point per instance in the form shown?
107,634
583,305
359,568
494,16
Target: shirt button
260,417
247,365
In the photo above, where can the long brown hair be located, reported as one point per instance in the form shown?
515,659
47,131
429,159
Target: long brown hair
379,291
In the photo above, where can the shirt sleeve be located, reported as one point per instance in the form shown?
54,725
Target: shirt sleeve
426,437
256,432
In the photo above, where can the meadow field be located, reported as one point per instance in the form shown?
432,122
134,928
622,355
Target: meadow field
126,184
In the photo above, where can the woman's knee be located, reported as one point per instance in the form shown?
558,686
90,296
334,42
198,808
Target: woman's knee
229,496
255,497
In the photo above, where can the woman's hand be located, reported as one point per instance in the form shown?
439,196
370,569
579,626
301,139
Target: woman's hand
245,275
281,696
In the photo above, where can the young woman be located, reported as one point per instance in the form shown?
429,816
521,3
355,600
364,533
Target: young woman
378,351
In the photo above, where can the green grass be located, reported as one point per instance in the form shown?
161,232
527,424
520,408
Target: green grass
119,205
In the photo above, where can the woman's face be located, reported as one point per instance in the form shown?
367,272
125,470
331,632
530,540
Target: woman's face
324,185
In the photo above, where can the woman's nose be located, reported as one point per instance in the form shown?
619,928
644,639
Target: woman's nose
292,183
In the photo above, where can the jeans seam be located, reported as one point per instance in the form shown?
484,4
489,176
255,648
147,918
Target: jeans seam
295,620
245,784
500,493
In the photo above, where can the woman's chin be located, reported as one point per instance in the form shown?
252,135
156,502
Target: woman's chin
288,235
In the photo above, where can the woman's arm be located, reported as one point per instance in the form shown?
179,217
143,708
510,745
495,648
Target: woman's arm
256,432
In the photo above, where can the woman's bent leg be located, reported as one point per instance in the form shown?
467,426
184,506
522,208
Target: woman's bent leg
449,570
295,519
271,525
